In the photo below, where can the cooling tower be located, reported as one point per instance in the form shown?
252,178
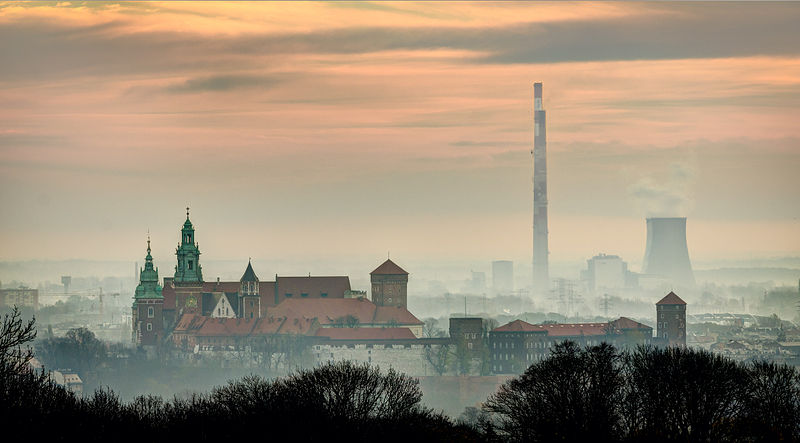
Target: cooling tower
667,254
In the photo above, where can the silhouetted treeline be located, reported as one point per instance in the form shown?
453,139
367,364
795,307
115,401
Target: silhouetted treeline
650,394
576,394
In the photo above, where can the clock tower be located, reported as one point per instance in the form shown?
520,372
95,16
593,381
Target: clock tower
188,279
148,303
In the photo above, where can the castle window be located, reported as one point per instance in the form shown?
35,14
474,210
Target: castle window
149,326
150,312
191,265
324,294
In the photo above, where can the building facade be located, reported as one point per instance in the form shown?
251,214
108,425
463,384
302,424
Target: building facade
516,345
671,318
251,307
21,297
148,305
389,285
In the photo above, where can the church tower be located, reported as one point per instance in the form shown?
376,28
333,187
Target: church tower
188,279
389,285
148,321
249,297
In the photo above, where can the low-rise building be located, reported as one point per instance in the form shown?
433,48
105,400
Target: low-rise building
22,297
516,345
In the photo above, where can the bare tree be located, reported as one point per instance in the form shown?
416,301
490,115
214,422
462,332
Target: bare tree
14,333
439,357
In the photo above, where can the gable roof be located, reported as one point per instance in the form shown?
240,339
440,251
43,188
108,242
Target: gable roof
389,267
626,323
516,326
671,299
561,329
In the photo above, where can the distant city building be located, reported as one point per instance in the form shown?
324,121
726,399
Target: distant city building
671,318
22,297
477,282
607,273
518,344
502,276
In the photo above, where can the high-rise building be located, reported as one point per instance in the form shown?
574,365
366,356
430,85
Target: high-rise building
541,273
502,276
605,272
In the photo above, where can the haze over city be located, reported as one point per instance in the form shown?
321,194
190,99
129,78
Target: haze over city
323,130
411,221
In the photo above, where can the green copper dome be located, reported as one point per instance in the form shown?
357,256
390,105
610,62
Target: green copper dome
188,269
148,279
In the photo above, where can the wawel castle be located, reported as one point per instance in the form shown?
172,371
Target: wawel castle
192,312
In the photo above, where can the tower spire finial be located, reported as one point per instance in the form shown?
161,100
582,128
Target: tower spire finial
187,212
148,241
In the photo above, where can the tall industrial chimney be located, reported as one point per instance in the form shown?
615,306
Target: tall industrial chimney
667,254
541,273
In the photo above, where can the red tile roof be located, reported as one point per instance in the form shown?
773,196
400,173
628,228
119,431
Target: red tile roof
299,326
556,330
671,299
366,333
516,326
327,311
226,327
267,326
313,286
389,267
189,323
396,314
626,323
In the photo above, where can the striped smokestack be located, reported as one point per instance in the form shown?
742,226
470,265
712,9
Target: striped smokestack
541,273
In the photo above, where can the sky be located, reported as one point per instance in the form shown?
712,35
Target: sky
333,130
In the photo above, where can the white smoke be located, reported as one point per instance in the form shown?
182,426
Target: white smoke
670,196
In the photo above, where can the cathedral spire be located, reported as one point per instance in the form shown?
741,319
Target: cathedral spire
188,269
148,278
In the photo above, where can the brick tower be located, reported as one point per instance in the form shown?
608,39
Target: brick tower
671,318
389,285
148,303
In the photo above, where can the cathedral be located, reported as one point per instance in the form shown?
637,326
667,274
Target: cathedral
158,309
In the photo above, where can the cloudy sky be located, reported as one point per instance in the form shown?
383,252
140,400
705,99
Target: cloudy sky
351,129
